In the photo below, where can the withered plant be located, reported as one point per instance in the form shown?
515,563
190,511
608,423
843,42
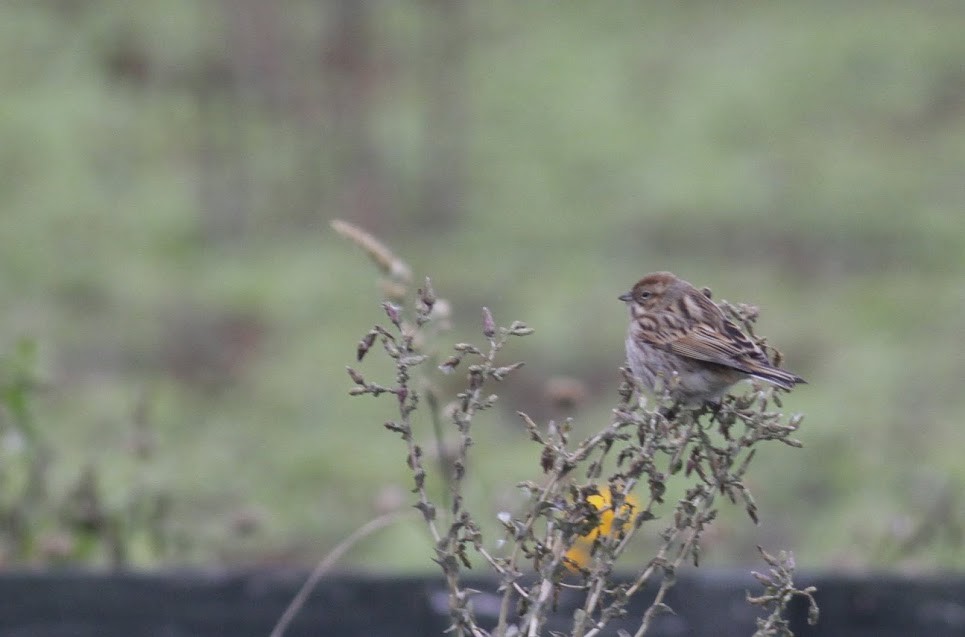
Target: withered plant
598,491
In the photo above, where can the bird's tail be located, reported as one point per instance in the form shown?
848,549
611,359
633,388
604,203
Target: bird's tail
777,376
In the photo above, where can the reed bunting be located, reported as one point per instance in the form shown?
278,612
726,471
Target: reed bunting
680,340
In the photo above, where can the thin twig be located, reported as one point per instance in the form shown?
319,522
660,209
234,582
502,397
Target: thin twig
327,562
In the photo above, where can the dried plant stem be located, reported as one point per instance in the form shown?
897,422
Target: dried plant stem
327,562
657,604
390,265
514,559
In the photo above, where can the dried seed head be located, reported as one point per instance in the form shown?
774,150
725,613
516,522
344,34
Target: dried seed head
518,328
365,344
393,312
449,365
489,325
466,348
355,376
427,295
501,372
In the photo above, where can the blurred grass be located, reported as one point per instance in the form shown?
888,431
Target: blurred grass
807,158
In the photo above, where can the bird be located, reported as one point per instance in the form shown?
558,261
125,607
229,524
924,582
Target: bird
680,341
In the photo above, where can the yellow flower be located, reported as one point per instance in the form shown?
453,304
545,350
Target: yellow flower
579,553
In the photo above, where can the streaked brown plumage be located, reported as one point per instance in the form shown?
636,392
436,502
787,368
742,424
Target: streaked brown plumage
674,328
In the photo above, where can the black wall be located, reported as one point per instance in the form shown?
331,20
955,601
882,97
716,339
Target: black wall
248,605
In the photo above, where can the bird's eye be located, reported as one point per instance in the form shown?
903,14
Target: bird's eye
644,294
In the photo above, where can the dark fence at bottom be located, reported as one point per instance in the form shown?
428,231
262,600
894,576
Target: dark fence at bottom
249,604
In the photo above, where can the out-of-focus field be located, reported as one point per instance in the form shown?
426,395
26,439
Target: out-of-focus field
168,172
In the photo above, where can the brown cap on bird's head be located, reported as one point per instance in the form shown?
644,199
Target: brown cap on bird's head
654,283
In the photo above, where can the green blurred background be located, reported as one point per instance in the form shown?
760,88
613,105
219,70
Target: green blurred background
170,169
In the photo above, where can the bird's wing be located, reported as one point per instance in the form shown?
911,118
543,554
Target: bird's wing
730,348
725,345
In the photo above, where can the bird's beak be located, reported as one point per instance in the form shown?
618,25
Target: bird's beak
625,297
